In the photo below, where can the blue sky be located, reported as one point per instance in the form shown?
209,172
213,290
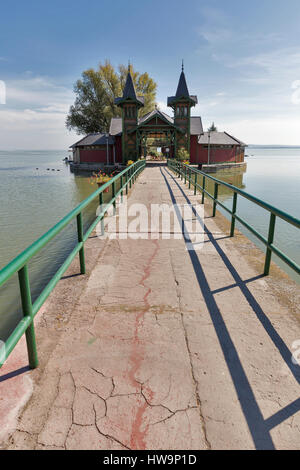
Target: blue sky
241,58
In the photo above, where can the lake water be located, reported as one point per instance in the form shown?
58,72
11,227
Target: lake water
34,198
273,175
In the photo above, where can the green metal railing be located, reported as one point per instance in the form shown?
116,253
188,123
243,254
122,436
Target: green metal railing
20,264
194,177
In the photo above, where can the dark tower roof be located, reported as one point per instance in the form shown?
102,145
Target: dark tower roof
129,92
182,92
182,89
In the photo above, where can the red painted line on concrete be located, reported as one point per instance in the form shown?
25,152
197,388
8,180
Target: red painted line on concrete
137,438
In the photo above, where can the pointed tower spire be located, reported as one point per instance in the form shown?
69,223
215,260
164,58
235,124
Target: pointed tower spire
182,89
129,93
182,92
129,90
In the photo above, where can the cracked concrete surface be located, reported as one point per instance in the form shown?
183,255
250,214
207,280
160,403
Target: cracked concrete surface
169,349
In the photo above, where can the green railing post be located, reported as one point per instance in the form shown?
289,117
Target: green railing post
20,263
101,208
189,171
233,213
270,241
195,184
215,199
121,183
27,312
127,182
267,241
80,239
130,179
114,195
184,174
203,189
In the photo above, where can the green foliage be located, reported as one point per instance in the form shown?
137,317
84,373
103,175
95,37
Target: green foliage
212,128
87,115
182,154
95,94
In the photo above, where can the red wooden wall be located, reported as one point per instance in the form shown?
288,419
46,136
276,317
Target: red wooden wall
118,148
199,154
96,156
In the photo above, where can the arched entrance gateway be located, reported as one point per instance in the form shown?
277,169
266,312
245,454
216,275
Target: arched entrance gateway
156,130
129,135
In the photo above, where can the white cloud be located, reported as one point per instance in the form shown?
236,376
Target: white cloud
37,91
34,115
276,131
162,106
277,62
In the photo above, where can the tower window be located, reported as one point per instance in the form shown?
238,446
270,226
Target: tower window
182,111
130,112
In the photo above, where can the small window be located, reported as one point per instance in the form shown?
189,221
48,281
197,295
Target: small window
130,112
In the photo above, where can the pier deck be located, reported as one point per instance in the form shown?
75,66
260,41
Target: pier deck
159,347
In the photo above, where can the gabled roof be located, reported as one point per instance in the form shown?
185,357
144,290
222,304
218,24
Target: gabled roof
156,113
116,123
115,127
219,138
196,125
159,114
94,139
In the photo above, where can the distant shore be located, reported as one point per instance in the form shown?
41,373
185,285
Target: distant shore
274,146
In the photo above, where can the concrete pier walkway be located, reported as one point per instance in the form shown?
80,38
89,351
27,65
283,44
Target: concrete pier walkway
167,348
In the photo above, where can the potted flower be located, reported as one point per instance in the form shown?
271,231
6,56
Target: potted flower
130,162
100,179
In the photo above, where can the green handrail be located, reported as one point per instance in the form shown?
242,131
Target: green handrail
181,169
20,263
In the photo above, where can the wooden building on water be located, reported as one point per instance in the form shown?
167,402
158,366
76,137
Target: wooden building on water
128,134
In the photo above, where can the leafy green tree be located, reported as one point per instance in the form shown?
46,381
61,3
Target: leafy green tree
183,154
88,114
95,94
112,85
212,128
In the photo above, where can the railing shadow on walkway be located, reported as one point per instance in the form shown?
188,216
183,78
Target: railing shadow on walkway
258,426
14,373
153,163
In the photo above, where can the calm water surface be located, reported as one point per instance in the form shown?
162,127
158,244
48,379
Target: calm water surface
33,199
273,175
